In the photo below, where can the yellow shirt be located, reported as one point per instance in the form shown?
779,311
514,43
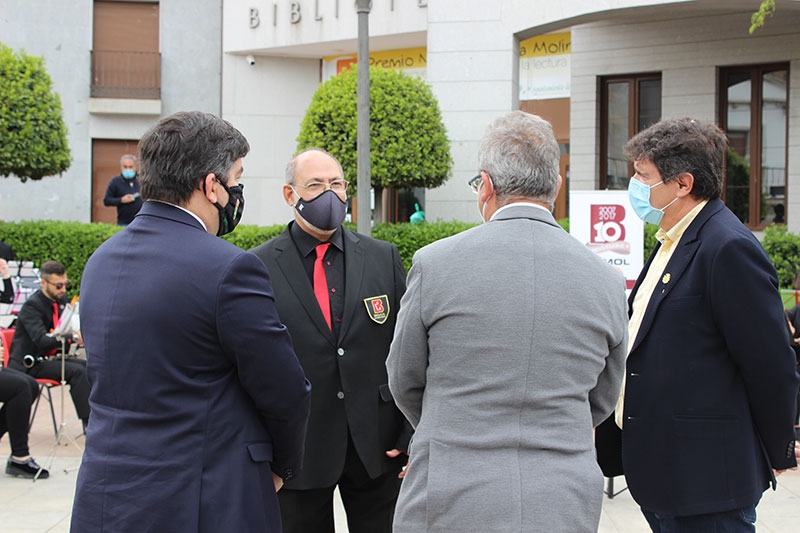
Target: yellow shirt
669,242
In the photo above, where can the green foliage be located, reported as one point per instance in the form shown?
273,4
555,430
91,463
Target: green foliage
783,249
411,237
408,141
757,19
69,243
33,137
249,236
650,240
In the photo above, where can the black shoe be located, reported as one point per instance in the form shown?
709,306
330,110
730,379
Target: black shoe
26,469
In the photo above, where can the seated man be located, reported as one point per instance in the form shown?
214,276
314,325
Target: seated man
17,392
33,336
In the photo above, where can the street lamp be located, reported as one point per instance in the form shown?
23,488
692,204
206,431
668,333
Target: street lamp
363,166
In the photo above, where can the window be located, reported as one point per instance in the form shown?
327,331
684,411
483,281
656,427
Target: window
754,116
628,104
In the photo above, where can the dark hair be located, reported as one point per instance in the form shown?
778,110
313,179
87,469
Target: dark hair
684,145
179,151
52,268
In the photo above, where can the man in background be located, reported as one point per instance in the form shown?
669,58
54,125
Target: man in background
509,349
199,403
709,400
124,191
338,293
35,346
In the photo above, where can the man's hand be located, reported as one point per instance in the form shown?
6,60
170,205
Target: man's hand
277,481
396,453
128,198
4,269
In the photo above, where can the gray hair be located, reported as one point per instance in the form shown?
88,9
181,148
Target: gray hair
521,155
182,149
291,166
127,156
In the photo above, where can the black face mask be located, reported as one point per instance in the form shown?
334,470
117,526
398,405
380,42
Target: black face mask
231,213
325,212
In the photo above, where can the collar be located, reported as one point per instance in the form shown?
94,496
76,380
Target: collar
514,204
183,209
306,244
677,231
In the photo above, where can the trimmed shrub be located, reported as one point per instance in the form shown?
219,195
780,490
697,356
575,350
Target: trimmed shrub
408,140
783,249
32,129
69,243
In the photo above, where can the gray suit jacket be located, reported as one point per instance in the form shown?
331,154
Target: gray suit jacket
509,348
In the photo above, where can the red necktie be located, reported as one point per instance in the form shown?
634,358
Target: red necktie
55,315
321,283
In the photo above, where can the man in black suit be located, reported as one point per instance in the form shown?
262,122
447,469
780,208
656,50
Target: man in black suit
33,336
340,310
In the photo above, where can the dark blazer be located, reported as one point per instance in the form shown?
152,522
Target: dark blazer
348,374
197,396
32,333
711,380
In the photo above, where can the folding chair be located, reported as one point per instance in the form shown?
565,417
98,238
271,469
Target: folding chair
6,335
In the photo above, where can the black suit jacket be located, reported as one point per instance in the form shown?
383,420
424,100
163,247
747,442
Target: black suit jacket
348,373
32,333
711,380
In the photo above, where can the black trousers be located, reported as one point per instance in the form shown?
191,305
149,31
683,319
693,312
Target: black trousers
74,374
369,503
17,392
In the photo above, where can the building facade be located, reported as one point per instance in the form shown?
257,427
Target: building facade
599,72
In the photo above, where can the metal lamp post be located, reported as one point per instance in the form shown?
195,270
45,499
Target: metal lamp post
364,181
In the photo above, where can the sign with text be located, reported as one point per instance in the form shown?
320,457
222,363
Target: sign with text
605,222
544,67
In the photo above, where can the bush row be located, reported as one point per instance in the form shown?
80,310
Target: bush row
71,243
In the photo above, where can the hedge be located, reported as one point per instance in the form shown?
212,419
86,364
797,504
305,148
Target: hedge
71,243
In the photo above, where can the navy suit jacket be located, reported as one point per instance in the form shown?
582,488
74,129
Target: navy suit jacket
711,379
197,395
348,373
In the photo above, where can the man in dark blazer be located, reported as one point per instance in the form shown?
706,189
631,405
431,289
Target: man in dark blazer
711,381
356,434
199,403
33,335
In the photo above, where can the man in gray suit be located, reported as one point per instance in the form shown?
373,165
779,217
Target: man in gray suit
509,348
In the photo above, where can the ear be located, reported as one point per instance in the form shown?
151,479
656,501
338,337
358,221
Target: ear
487,190
560,183
288,194
209,190
685,182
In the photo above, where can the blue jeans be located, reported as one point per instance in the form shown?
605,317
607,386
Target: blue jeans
733,521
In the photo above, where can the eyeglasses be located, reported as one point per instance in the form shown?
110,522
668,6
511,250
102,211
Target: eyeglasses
475,183
318,187
59,285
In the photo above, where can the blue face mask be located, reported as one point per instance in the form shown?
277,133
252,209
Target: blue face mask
128,173
639,195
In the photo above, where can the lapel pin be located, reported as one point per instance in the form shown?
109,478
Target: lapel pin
666,278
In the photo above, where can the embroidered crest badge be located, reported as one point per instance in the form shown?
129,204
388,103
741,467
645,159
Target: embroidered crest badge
377,308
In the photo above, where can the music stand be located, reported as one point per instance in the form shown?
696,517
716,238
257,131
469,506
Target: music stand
61,331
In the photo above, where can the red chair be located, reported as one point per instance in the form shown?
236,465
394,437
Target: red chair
6,335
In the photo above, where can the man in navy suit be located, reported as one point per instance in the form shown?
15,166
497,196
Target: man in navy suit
199,404
356,435
711,382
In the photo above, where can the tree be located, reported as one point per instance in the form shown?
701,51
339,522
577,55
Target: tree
409,145
33,136
757,19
